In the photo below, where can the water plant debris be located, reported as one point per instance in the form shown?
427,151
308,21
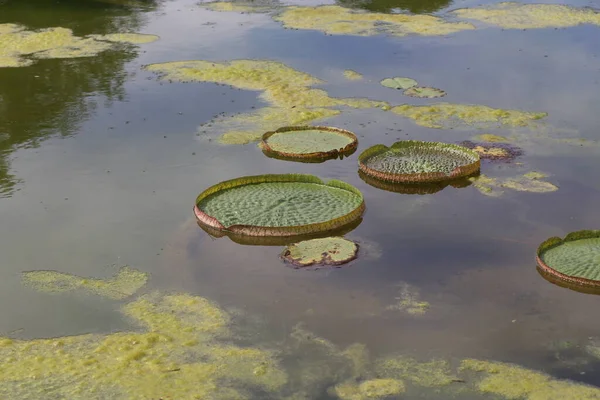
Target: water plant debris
424,92
413,161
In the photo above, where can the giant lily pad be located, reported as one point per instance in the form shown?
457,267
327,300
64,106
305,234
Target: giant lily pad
413,161
413,188
331,251
309,142
573,261
278,205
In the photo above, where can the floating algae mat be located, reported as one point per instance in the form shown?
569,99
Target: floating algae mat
413,161
304,142
278,205
424,92
512,15
329,251
124,284
290,96
530,182
447,115
494,150
17,44
335,20
574,260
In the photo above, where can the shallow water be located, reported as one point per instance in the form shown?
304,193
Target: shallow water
101,162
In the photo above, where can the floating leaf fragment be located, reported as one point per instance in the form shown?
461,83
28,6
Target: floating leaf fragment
398,83
424,92
331,251
412,161
352,75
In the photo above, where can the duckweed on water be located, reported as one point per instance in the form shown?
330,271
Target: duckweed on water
512,15
17,43
335,20
178,356
125,283
293,101
447,115
352,75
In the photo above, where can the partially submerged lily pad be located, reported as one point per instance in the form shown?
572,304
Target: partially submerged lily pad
331,251
574,260
309,142
278,205
424,92
494,151
413,161
398,83
413,188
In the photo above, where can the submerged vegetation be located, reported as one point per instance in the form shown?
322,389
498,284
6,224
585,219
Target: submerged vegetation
20,47
409,301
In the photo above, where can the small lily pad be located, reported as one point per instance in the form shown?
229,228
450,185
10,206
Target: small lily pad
398,83
572,261
413,161
424,92
329,251
309,142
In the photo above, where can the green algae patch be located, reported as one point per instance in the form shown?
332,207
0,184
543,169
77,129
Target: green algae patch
412,161
434,373
447,115
124,284
489,138
180,354
335,20
409,301
399,83
352,75
515,382
370,389
131,38
530,182
495,151
278,205
20,47
309,142
424,92
290,96
574,260
331,251
510,15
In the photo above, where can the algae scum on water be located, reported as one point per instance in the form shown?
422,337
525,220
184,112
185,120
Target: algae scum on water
20,47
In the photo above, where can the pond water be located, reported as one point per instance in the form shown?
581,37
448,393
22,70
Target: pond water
101,161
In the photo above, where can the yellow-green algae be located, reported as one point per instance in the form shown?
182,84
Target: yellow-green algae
17,43
434,373
445,115
124,284
490,138
289,93
530,182
515,382
370,389
177,356
352,75
132,38
337,20
409,301
511,15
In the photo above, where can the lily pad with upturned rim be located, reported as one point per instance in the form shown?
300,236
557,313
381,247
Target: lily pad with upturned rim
309,142
278,205
573,262
398,83
413,188
330,251
413,161
424,92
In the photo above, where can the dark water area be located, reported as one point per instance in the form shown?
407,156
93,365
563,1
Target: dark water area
100,163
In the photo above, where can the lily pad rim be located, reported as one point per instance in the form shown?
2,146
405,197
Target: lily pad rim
556,241
296,230
350,147
425,177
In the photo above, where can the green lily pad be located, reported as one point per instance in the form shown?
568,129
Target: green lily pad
413,161
321,252
309,142
398,83
424,92
278,205
573,261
